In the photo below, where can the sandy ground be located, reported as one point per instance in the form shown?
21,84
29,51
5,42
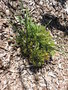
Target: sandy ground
15,72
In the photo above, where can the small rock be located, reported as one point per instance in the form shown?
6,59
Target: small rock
41,3
51,74
60,66
66,9
7,12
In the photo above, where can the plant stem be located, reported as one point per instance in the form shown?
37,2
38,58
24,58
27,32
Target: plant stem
26,21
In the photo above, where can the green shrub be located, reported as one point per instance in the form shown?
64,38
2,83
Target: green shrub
36,43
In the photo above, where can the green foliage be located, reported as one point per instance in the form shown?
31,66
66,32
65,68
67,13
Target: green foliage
36,43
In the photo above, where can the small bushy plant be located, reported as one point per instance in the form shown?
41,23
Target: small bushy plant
36,43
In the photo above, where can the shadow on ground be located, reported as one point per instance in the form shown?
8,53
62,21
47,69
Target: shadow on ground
51,22
62,2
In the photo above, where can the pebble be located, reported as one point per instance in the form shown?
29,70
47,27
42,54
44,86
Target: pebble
41,3
66,8
7,12
60,67
51,74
